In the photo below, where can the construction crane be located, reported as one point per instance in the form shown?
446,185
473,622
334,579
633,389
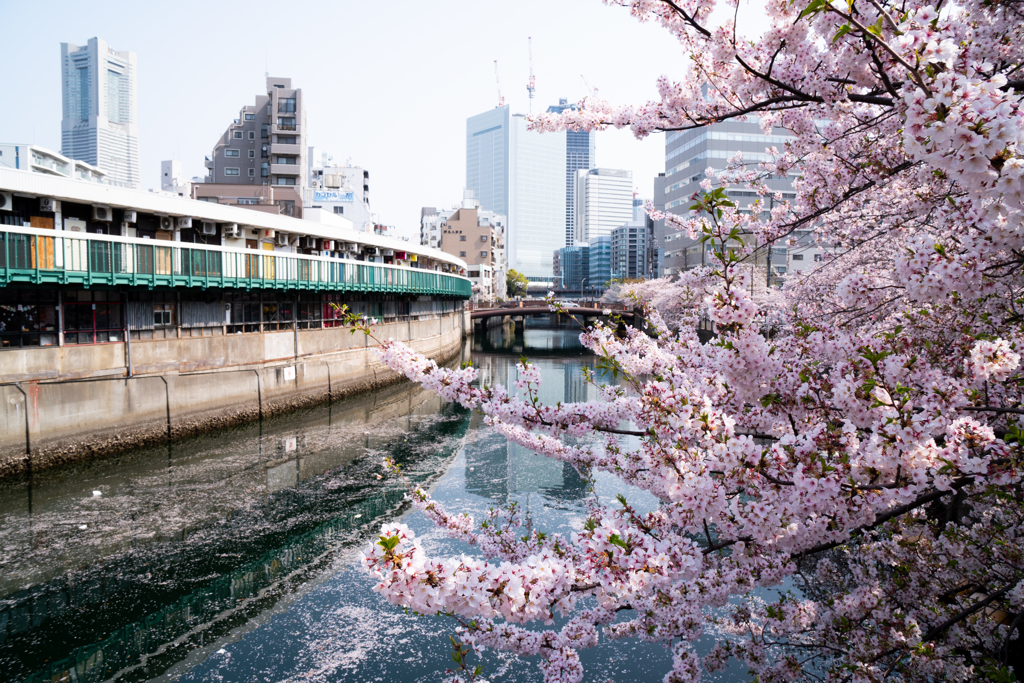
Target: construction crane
501,100
531,86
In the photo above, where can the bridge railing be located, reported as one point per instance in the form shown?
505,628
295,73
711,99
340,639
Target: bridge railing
40,256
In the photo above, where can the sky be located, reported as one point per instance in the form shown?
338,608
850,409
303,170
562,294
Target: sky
387,85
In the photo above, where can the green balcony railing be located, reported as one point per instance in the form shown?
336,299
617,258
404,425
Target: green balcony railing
31,255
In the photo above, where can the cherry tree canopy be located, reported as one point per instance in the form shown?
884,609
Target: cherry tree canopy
867,451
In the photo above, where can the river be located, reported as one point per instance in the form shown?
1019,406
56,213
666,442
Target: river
232,556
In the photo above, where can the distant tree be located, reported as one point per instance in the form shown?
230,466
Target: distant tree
517,283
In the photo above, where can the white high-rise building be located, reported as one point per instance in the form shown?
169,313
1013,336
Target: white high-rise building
604,201
100,123
521,174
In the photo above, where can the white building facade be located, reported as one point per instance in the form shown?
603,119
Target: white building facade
342,190
604,201
35,159
100,124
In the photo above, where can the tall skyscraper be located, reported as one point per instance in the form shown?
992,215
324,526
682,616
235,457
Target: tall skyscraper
687,155
580,153
519,173
99,124
604,201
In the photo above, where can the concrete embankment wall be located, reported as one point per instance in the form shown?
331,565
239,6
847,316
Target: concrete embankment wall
48,422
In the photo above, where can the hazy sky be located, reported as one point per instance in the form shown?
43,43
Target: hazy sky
387,84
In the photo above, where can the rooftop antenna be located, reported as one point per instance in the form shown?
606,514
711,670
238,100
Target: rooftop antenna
531,86
501,100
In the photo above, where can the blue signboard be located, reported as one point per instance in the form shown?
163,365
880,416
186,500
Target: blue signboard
333,196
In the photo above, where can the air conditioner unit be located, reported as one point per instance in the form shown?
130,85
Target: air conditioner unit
166,223
327,245
371,251
281,239
6,201
232,230
308,242
102,213
131,216
183,222
209,228
47,204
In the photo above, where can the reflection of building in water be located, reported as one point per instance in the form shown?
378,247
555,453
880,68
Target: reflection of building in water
498,470
577,390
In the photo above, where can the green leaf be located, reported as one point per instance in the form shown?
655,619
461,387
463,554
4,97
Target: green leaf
811,9
843,30
615,540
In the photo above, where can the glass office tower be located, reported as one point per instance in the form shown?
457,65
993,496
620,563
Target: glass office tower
580,153
521,174
487,154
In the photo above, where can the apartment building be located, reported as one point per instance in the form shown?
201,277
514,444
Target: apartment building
476,236
259,161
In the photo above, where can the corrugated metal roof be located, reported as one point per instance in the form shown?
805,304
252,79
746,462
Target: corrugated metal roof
84,192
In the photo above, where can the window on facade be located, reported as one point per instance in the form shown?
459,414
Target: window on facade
462,253
163,315
285,181
252,154
483,238
286,122
286,139
252,135
250,117
231,152
339,210
230,171
286,104
264,169
798,257
92,322
462,238
483,253
286,160
237,135
265,152
265,130
817,258
27,318
252,172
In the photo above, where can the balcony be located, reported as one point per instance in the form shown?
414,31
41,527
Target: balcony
36,256
284,128
285,169
277,148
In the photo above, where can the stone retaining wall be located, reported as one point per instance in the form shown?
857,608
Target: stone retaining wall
198,385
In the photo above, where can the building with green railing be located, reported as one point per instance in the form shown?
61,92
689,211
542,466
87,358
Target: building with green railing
83,263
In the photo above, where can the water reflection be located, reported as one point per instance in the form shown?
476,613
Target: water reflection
232,557
92,550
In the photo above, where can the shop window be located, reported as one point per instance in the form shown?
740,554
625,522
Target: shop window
93,323
27,318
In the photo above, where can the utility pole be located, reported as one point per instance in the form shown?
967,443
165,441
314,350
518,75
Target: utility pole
531,86
501,100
